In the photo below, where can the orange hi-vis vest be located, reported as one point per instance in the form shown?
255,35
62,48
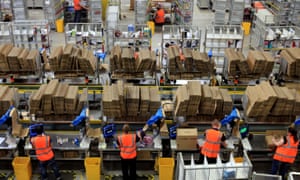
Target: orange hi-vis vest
160,16
77,5
287,152
212,144
127,146
42,148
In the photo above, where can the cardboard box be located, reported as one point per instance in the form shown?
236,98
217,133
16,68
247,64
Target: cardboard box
187,138
271,133
164,132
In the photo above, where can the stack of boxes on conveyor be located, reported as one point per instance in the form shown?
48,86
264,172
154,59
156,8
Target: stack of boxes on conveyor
18,60
265,102
124,64
71,61
198,102
8,97
56,99
121,101
290,62
188,64
256,64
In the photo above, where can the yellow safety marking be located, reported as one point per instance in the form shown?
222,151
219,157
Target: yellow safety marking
108,177
169,121
150,177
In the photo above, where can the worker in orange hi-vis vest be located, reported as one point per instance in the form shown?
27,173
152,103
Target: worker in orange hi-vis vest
212,144
43,150
286,152
127,144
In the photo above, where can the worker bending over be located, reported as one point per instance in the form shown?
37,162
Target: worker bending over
43,150
212,144
127,145
286,152
160,15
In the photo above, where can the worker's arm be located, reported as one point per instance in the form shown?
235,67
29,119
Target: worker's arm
223,140
83,5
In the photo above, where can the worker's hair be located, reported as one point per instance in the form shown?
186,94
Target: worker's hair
126,128
215,123
39,129
294,133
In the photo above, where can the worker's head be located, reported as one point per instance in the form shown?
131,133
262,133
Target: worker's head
158,6
216,124
293,132
39,129
126,128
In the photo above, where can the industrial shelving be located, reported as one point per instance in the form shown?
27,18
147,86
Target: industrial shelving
141,11
137,36
112,19
184,13
95,11
35,3
53,10
220,37
220,6
5,33
20,9
203,4
282,10
31,34
296,13
5,8
87,35
236,12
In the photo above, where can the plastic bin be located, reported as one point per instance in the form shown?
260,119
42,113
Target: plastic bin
92,168
151,26
59,25
246,27
166,168
22,168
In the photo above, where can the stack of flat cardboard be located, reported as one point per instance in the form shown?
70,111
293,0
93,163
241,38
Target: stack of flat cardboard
47,96
243,65
7,98
202,63
233,60
172,60
182,100
256,62
91,64
4,51
194,90
17,129
207,106
295,53
176,52
110,102
146,60
218,100
227,101
74,59
188,59
31,60
296,110
22,60
115,58
71,99
290,100
270,61
145,100
120,87
128,61
66,62
82,100
288,63
154,100
270,95
12,59
132,100
36,99
55,58
279,106
58,98
255,101
3,91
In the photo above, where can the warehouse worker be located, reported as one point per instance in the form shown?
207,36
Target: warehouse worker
213,140
286,151
43,150
127,145
160,15
78,7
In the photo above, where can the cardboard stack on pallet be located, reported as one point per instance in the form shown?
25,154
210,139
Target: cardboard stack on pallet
4,51
47,96
270,61
154,100
8,97
83,99
59,98
128,61
243,64
181,102
256,62
36,99
71,99
22,60
296,110
120,87
66,61
233,61
55,58
269,94
202,63
295,54
89,64
114,59
74,59
207,106
172,60
145,100
146,61
218,100
188,59
290,101
30,62
227,101
110,101
254,102
12,59
194,90
288,64
132,100
278,108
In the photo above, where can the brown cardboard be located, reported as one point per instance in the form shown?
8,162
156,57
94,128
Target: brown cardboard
187,138
269,62
32,60
5,50
271,133
164,132
12,59
58,98
288,63
36,99
227,101
21,58
71,99
55,58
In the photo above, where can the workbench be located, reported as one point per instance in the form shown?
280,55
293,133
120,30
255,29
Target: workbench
8,146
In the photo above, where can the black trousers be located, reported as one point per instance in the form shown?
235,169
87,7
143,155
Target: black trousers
128,169
209,160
